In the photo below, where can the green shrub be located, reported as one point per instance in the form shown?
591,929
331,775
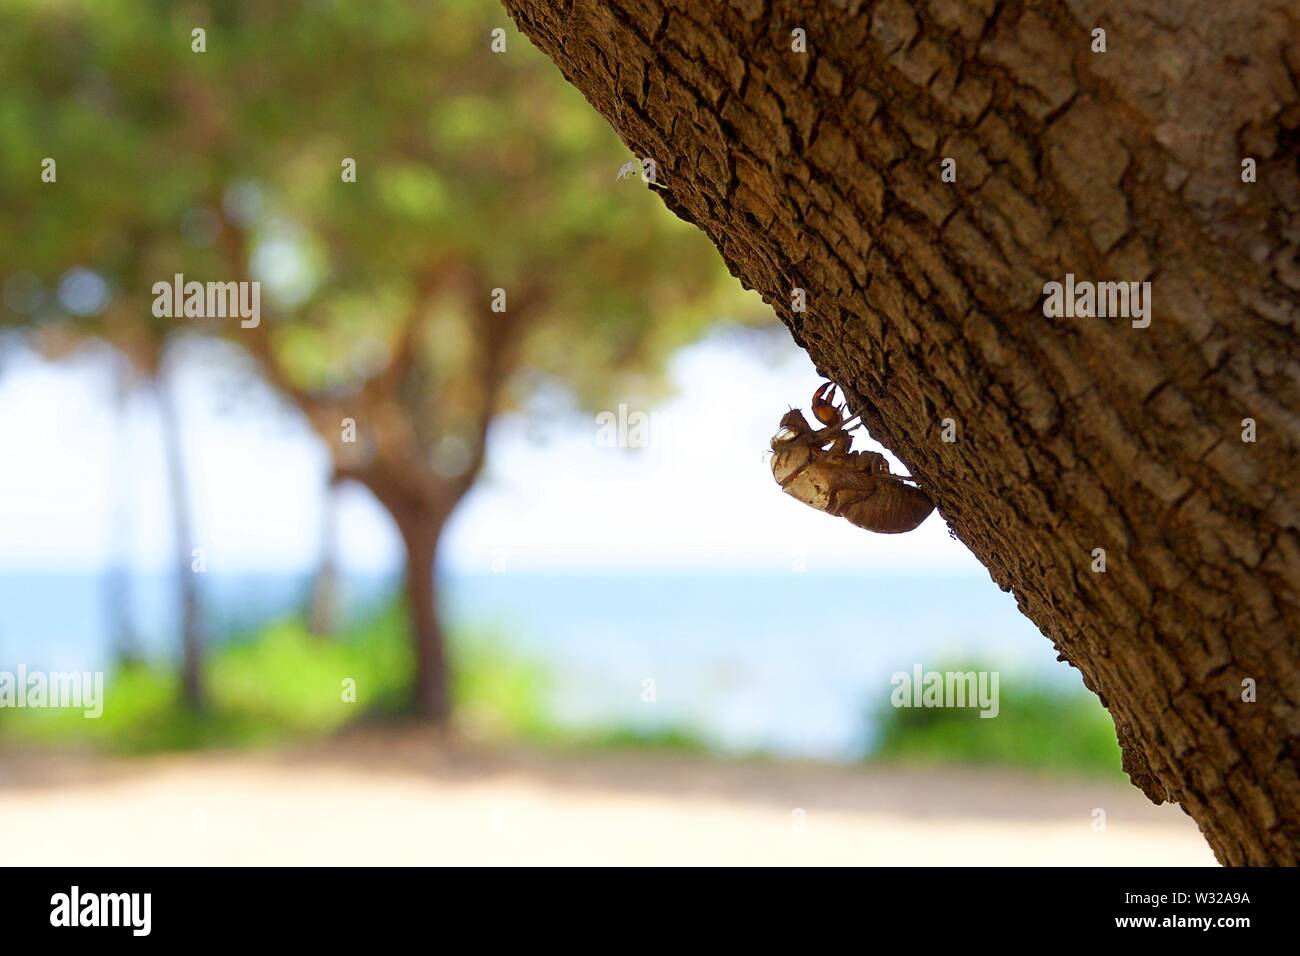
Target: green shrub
1039,725
284,683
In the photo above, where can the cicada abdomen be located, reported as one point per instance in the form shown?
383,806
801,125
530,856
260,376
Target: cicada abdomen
891,506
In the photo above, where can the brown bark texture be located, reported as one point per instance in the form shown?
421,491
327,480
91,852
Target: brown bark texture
822,171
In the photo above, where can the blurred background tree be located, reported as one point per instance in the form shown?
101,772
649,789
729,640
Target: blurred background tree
481,180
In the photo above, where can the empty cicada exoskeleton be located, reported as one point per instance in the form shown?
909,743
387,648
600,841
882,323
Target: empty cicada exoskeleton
817,466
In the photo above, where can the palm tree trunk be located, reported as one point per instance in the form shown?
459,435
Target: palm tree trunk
324,610
187,583
122,634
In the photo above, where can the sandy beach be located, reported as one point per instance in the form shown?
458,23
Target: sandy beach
408,799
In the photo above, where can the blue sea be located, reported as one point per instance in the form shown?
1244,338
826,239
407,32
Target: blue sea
785,663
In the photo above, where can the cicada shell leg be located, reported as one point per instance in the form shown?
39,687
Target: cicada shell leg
824,408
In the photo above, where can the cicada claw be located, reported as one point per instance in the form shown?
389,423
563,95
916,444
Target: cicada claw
824,407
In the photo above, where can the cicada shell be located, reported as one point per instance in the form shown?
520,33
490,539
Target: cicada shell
817,467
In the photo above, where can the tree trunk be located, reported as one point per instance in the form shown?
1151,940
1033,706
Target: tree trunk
120,622
323,612
191,623
823,171
431,693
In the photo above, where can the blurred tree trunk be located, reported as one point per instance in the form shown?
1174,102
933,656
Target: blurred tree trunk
323,614
822,171
421,531
187,583
420,509
400,427
123,637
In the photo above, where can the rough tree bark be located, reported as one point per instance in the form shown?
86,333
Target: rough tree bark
822,171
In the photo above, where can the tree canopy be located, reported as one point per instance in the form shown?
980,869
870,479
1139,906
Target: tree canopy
440,225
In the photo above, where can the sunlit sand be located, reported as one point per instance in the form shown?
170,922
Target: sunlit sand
404,799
